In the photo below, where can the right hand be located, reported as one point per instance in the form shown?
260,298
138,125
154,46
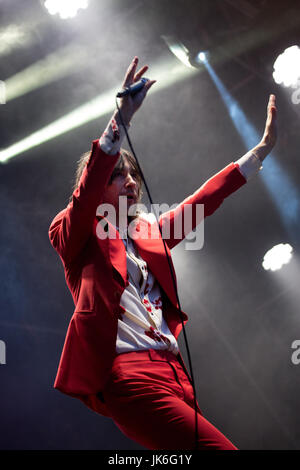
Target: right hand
130,104
270,133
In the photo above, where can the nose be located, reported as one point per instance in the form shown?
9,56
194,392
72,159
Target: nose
130,181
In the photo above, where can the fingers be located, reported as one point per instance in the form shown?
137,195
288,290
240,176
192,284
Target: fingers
270,133
272,100
140,73
131,75
271,113
130,72
149,84
272,104
146,88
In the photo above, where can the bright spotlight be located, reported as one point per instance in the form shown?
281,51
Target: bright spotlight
179,50
279,255
185,56
65,8
202,57
287,67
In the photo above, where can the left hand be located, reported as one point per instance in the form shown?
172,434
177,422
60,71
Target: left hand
270,133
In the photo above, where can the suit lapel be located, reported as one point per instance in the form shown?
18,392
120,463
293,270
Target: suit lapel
105,231
117,253
152,251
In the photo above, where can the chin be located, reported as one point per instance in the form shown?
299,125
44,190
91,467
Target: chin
130,202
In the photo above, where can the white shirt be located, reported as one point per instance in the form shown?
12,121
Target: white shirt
142,325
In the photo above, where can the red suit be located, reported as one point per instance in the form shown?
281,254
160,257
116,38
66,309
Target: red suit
95,272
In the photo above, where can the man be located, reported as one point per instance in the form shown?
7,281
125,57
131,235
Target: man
121,356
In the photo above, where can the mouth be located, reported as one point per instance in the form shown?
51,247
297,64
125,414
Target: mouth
131,197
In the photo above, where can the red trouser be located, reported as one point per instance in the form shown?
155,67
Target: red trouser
150,399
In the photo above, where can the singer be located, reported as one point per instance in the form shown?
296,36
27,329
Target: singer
121,356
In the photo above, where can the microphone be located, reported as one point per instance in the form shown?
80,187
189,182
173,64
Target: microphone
133,89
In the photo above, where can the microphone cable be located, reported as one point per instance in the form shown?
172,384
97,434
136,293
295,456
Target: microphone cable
173,279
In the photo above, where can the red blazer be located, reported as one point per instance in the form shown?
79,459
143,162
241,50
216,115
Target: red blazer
96,274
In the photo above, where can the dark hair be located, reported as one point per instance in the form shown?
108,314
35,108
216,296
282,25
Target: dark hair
124,154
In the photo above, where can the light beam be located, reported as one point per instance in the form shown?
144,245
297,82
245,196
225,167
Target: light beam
284,193
53,67
166,74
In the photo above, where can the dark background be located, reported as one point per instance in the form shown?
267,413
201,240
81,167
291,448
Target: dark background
243,319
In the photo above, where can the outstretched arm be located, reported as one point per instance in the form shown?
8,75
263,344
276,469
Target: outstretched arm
224,183
72,227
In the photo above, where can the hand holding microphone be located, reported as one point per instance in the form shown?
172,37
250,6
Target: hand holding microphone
134,90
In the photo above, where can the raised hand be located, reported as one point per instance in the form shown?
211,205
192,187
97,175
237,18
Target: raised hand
270,133
130,104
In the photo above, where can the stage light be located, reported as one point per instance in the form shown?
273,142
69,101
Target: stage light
277,256
179,50
186,57
65,8
287,67
202,57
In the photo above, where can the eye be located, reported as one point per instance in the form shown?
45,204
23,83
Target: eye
117,173
134,174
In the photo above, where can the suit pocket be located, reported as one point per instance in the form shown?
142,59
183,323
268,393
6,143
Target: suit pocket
85,313
86,299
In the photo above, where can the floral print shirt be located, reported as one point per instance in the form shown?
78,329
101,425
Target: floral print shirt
142,325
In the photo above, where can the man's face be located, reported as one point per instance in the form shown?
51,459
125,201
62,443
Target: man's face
124,183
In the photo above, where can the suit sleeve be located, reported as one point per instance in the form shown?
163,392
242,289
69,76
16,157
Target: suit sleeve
211,195
72,227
